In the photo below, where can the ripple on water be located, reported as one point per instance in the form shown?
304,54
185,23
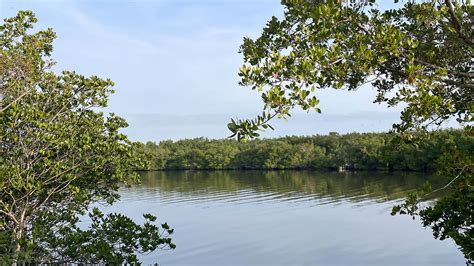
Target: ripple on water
291,217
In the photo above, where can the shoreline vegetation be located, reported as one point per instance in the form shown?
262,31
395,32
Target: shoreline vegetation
332,152
429,171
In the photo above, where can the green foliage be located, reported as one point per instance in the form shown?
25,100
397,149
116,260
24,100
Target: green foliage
419,54
451,217
355,151
59,154
113,239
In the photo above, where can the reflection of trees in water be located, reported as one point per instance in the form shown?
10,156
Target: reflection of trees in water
375,185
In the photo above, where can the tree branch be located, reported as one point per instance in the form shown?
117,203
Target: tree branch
450,182
457,24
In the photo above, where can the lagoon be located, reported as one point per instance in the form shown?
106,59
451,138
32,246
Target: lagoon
286,218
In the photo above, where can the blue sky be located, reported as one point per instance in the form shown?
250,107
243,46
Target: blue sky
175,65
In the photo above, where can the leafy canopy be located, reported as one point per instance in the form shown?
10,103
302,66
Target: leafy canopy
419,54
60,154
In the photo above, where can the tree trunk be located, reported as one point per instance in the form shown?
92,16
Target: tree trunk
18,236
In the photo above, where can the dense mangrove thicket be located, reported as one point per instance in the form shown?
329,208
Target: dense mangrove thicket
354,151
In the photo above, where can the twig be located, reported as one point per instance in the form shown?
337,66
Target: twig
449,183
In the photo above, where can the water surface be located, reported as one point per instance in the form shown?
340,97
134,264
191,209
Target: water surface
286,218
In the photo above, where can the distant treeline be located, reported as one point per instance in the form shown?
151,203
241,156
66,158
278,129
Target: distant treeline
354,151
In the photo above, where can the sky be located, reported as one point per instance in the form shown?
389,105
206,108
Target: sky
175,66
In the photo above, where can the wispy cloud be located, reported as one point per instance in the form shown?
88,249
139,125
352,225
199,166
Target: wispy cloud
105,32
179,58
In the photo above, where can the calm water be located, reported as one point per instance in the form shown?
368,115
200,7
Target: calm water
286,218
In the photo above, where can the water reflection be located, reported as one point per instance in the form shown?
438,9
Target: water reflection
258,186
286,217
